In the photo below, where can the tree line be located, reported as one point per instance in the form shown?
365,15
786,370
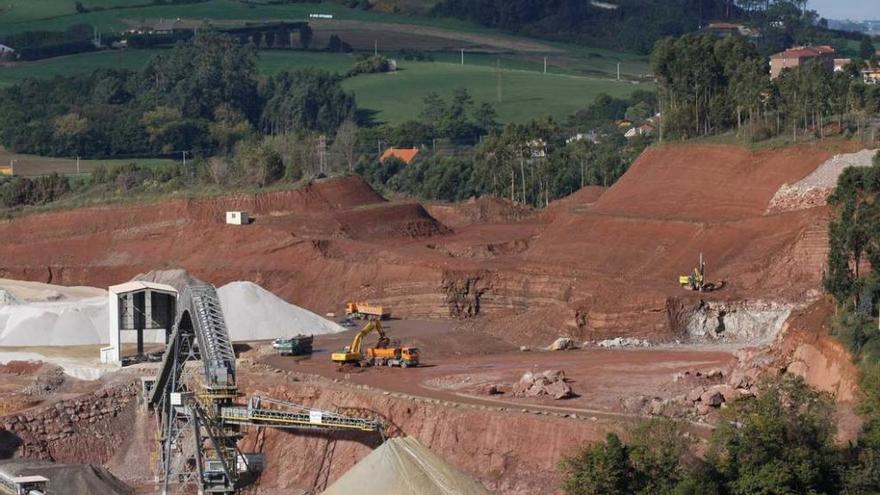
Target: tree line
778,441
201,95
708,86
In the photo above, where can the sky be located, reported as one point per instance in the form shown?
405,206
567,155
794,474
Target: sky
860,10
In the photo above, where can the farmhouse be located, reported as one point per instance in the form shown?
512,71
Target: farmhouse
800,55
6,52
406,155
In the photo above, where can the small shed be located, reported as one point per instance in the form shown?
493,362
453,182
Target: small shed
237,218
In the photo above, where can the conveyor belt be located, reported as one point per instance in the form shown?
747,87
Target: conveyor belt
280,414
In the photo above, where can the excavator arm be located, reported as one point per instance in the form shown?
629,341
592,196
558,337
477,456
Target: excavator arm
353,353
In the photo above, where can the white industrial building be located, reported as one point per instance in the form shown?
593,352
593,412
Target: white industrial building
146,308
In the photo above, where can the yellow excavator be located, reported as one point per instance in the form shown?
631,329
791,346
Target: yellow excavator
381,354
697,280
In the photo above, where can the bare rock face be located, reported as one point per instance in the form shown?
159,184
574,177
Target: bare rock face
86,428
550,383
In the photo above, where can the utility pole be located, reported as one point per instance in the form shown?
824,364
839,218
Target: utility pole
375,47
77,165
498,79
462,56
545,65
618,71
322,150
184,159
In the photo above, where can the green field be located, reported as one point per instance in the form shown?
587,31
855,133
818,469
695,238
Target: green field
74,64
525,95
32,165
56,15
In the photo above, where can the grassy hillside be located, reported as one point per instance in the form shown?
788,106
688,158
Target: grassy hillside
525,95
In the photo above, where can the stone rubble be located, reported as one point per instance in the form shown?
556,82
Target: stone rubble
550,383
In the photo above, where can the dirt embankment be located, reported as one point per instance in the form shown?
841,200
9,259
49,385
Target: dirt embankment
599,263
807,349
496,447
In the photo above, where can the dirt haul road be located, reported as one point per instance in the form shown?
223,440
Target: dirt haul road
591,265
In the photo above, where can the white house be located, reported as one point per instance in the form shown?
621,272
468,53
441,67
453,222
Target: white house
591,136
6,52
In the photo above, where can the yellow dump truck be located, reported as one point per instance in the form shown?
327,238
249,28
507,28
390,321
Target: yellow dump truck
367,311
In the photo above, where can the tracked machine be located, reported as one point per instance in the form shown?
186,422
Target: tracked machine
697,280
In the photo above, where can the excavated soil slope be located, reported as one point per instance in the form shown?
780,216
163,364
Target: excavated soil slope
600,262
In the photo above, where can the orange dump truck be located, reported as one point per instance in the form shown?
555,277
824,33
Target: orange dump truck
366,311
393,356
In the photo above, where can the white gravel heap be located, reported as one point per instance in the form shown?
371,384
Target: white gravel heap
70,322
36,315
813,190
253,313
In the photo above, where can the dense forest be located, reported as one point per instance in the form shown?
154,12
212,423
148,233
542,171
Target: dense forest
635,25
199,96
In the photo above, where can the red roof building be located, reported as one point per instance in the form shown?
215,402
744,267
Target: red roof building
406,155
800,55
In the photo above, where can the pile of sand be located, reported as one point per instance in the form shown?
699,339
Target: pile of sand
253,313
403,466
70,322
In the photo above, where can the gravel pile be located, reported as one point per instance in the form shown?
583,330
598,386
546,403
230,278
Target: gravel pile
813,190
67,323
253,313
403,466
